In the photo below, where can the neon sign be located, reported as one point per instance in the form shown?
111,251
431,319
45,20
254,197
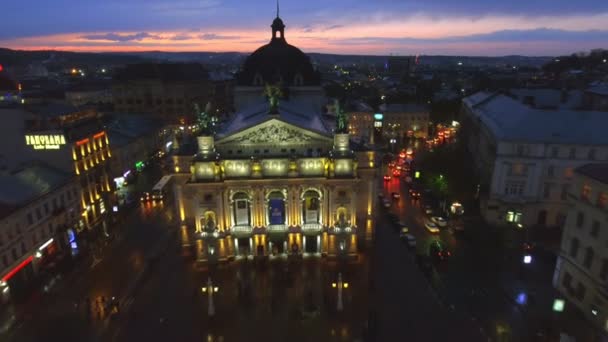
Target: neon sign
10,274
46,141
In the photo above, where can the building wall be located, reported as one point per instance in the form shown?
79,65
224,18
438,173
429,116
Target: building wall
25,230
526,178
581,273
404,122
169,101
361,125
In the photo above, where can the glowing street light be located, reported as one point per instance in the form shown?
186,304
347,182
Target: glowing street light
558,305
527,259
210,290
340,285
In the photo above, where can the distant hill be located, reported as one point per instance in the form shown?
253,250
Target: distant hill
18,58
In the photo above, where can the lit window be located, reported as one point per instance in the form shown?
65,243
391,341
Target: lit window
585,193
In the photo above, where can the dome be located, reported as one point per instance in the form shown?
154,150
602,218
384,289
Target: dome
278,62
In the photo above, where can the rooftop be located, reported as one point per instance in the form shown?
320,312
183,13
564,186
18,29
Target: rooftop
403,108
509,119
549,98
298,113
597,171
21,187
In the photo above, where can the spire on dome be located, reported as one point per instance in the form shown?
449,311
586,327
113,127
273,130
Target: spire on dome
278,28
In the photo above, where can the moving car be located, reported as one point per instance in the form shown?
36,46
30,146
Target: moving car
404,231
438,252
431,227
439,221
409,239
415,194
386,203
387,178
396,195
145,196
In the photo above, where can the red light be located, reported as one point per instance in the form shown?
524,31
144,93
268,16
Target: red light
10,274
1,67
82,142
99,135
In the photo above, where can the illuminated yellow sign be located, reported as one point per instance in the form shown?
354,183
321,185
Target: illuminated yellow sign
45,141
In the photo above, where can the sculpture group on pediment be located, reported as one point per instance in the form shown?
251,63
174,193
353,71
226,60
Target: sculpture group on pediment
273,134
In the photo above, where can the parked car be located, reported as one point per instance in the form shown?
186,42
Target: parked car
428,210
386,203
431,227
438,252
439,221
409,239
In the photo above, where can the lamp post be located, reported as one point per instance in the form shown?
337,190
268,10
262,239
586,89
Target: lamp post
340,285
210,290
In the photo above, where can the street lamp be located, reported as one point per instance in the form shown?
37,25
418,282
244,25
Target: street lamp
210,290
340,285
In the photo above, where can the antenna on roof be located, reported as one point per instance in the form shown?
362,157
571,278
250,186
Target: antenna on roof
277,8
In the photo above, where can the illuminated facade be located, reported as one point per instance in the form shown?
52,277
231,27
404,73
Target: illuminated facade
277,203
275,180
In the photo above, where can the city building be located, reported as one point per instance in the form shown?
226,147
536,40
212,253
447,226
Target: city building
400,66
39,214
166,91
88,94
596,97
360,121
65,137
525,157
275,180
10,91
405,120
136,141
581,273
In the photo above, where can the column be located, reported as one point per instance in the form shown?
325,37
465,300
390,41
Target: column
353,208
220,209
330,216
227,208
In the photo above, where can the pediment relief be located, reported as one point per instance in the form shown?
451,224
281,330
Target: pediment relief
273,132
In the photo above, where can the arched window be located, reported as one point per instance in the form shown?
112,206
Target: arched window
311,207
242,209
298,80
341,217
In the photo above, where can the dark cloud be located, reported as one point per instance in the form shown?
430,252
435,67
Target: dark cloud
117,37
534,35
180,37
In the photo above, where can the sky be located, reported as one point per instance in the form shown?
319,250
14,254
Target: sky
377,27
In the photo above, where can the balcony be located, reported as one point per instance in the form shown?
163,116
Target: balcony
277,228
241,231
312,228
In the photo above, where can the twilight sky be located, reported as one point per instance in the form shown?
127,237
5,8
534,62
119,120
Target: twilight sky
447,27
